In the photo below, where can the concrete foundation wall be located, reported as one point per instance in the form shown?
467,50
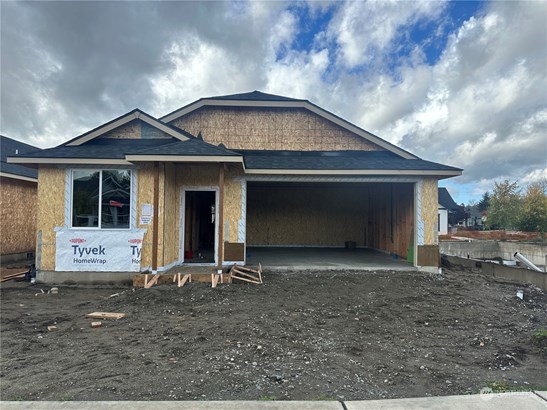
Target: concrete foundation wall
507,273
491,249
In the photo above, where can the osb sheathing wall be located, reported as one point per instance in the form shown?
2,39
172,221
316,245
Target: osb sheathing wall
379,216
17,216
171,204
50,212
429,210
232,203
134,130
145,188
270,129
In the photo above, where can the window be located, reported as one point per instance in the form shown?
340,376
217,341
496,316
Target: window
101,199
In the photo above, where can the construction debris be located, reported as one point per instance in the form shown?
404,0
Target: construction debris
246,274
96,324
105,315
51,328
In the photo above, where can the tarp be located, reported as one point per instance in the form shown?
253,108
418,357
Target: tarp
98,250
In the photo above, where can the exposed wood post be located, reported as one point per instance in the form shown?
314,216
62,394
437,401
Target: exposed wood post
220,217
155,222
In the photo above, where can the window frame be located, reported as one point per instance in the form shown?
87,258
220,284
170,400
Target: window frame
99,217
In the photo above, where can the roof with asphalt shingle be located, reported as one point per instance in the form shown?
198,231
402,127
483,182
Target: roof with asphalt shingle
11,147
337,160
445,199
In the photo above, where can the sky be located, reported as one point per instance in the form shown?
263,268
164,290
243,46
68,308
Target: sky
460,83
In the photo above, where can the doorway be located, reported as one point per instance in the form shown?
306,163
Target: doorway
200,216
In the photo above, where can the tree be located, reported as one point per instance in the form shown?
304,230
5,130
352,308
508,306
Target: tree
504,206
533,215
484,203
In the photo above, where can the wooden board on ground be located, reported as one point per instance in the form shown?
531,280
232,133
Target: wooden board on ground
13,276
105,315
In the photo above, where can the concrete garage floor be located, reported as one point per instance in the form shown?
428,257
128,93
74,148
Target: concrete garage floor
303,258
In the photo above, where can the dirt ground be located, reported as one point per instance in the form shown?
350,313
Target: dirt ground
299,336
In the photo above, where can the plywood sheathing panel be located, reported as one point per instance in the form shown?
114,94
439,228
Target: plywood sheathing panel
50,211
429,211
294,129
17,215
375,215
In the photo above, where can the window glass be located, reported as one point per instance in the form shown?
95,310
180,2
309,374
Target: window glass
101,199
116,197
85,198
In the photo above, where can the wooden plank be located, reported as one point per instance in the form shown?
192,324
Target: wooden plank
245,268
149,283
248,275
428,255
165,279
105,315
13,276
186,278
214,280
246,280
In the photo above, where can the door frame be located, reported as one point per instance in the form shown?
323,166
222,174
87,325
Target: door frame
182,214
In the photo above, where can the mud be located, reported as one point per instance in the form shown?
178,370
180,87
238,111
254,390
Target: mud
299,336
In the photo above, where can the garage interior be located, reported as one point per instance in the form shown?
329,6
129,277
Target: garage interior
331,223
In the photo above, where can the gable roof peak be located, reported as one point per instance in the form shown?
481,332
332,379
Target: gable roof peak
253,96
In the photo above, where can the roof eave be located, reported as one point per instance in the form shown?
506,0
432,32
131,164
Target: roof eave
184,158
15,176
51,160
441,174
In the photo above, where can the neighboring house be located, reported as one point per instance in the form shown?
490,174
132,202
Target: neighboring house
474,218
18,189
206,181
447,206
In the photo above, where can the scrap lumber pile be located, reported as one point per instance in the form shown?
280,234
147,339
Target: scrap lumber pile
246,274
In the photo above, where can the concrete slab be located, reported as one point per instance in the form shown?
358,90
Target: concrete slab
493,401
172,405
303,258
542,394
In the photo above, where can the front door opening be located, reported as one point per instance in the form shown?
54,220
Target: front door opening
199,227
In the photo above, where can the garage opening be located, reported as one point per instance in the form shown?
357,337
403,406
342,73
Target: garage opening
368,216
199,227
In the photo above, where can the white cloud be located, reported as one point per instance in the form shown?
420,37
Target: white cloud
481,105
364,29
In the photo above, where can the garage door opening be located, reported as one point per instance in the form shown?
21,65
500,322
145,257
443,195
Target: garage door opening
371,216
199,226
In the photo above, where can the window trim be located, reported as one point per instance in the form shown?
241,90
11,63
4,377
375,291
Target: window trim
99,217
